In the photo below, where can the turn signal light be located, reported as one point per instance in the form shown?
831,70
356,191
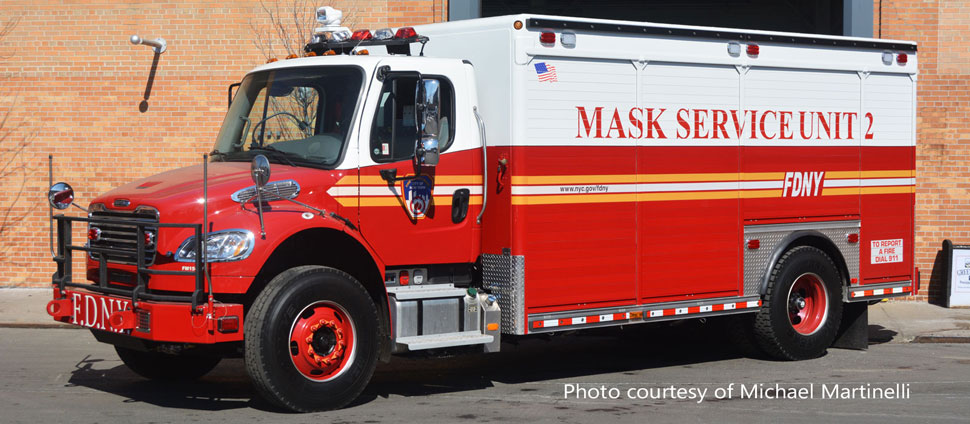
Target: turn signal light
228,324
405,32
94,234
547,38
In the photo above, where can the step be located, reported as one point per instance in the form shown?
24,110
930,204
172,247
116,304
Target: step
434,341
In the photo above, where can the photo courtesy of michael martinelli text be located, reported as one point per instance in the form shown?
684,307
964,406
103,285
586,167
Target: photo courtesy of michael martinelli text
754,391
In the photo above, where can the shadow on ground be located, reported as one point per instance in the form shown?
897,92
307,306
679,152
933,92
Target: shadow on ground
522,360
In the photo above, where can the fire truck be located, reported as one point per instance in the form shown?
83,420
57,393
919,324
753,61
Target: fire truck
441,187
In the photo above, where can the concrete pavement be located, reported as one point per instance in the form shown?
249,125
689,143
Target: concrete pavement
890,321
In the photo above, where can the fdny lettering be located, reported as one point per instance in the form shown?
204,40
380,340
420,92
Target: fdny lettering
718,124
802,184
91,311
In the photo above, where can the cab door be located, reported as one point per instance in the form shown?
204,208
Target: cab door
413,214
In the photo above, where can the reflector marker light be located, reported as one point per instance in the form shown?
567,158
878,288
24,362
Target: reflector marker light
754,244
853,238
229,324
547,38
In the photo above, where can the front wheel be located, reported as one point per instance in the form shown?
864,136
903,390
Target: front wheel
803,306
311,339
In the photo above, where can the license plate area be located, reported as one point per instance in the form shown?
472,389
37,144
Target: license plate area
94,310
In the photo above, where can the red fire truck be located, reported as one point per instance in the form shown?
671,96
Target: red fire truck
446,185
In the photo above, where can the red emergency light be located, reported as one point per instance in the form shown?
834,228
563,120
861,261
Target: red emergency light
902,58
753,50
362,35
405,33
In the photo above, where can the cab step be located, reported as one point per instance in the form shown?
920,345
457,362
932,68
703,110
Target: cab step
433,341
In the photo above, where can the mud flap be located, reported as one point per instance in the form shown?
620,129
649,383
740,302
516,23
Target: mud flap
854,329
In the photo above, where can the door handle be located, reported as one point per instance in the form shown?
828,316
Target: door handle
459,205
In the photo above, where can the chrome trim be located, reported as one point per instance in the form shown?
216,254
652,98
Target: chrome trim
250,240
271,191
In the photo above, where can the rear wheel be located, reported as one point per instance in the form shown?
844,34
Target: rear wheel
311,339
803,306
162,366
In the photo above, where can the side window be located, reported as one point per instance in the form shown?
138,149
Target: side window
394,133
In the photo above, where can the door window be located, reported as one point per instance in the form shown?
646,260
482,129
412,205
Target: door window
394,133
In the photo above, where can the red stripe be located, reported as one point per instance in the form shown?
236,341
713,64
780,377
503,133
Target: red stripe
593,318
619,317
565,321
537,324
693,309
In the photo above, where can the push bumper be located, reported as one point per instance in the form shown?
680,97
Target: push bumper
154,321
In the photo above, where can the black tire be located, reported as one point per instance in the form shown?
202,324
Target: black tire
165,367
774,328
275,314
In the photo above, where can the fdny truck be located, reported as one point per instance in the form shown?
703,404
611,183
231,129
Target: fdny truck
448,185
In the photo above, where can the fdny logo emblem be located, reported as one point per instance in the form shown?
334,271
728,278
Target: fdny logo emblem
417,196
802,184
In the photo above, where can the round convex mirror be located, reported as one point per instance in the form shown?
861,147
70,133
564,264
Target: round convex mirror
61,195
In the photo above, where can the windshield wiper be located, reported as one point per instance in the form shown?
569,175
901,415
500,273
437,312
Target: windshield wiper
279,153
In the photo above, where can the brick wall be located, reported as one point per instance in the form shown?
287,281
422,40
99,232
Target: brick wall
943,150
72,86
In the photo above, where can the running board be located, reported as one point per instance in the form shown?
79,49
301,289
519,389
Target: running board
434,341
590,318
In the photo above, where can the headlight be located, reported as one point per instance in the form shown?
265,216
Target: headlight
221,246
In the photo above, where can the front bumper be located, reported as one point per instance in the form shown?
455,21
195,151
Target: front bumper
155,321
134,309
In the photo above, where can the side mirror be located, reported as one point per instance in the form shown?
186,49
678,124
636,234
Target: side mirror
427,109
60,196
259,169
232,86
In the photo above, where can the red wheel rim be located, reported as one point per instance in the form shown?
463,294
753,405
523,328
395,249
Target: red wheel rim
807,304
321,342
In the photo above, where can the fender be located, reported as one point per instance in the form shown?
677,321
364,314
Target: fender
804,237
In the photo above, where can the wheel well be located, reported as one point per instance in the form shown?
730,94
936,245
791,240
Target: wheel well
822,243
325,247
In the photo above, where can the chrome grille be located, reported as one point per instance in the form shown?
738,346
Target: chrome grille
287,189
119,234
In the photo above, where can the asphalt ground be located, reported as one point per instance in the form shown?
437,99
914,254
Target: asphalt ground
64,375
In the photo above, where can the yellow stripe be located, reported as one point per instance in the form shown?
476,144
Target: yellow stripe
352,180
394,201
846,191
888,190
573,179
889,174
760,176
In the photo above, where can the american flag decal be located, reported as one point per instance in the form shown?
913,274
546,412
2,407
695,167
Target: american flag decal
546,72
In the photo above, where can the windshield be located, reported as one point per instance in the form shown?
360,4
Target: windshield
296,116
